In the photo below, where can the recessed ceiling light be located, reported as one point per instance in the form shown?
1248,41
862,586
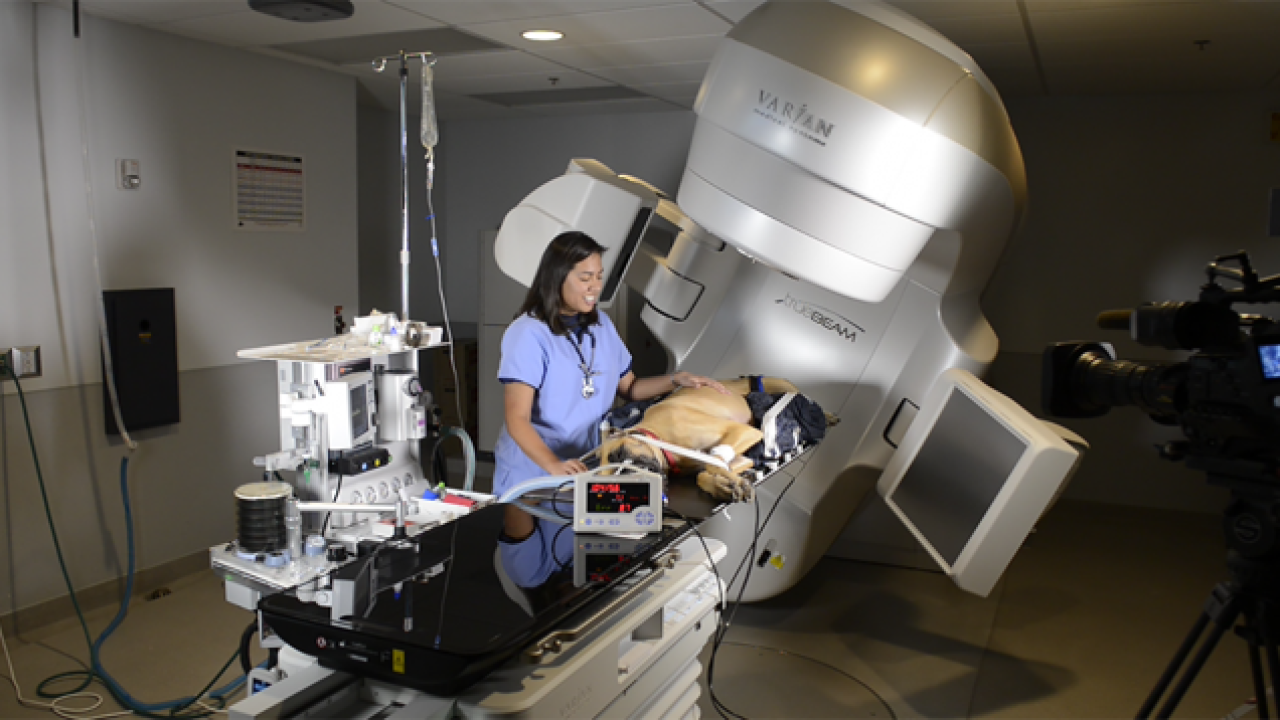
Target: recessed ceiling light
542,35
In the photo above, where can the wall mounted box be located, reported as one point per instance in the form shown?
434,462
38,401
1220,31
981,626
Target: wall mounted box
143,331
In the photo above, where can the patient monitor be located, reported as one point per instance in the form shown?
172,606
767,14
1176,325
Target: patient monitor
852,180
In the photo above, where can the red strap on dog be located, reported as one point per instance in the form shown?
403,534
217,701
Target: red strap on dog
671,459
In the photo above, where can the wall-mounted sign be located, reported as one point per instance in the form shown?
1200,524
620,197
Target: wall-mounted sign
270,191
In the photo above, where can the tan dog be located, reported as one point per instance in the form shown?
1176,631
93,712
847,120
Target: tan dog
699,419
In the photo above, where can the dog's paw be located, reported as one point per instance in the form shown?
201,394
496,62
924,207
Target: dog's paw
832,420
726,487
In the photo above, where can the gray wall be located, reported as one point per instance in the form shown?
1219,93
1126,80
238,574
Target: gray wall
381,223
1130,198
180,107
493,164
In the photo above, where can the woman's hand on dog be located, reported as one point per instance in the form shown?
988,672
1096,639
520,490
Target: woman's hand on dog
567,467
689,380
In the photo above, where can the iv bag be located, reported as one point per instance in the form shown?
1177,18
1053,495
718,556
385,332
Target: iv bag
430,135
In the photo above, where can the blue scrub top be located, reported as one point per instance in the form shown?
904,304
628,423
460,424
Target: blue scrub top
567,422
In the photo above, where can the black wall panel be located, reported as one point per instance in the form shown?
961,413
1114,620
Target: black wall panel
143,329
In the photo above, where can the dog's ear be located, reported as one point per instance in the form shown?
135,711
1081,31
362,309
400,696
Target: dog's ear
608,449
634,452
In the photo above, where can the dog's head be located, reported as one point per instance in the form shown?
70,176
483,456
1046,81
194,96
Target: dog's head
620,448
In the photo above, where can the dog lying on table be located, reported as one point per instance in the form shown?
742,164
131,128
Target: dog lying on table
701,419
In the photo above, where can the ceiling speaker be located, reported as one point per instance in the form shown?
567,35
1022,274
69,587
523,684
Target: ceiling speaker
305,10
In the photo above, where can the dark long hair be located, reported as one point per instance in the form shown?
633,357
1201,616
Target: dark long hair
543,300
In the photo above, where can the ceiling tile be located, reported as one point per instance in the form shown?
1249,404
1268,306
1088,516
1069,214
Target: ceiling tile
252,28
645,52
460,107
149,12
607,107
564,78
560,96
1086,5
1016,81
441,41
655,74
982,29
495,63
1184,21
470,12
620,26
1002,55
931,11
733,10
682,94
1142,78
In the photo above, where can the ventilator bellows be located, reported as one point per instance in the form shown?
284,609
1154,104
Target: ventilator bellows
260,511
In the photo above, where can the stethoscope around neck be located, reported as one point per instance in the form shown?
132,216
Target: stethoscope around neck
588,368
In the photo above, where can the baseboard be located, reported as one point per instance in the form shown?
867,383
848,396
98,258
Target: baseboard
43,614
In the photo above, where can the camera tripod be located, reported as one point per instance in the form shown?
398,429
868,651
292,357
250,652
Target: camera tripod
1253,594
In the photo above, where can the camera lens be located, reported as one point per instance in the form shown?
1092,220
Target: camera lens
1084,380
1101,383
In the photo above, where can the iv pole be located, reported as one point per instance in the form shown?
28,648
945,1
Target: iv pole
380,64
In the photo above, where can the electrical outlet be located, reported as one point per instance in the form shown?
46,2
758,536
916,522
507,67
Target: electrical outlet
23,362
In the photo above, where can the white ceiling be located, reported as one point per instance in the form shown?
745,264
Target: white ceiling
659,49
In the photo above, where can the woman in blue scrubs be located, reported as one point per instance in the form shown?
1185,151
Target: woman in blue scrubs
562,365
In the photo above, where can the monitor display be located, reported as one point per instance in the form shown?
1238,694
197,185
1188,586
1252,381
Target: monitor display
1269,356
349,405
359,410
617,497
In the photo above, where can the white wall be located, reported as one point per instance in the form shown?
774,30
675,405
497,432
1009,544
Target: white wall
180,107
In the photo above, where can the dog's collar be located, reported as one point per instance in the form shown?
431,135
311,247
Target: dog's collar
670,458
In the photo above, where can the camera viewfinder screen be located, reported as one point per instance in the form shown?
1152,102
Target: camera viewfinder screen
617,497
1269,355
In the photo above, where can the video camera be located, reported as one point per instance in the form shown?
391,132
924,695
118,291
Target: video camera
1225,396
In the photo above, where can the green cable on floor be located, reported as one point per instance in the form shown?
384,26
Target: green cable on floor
96,672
